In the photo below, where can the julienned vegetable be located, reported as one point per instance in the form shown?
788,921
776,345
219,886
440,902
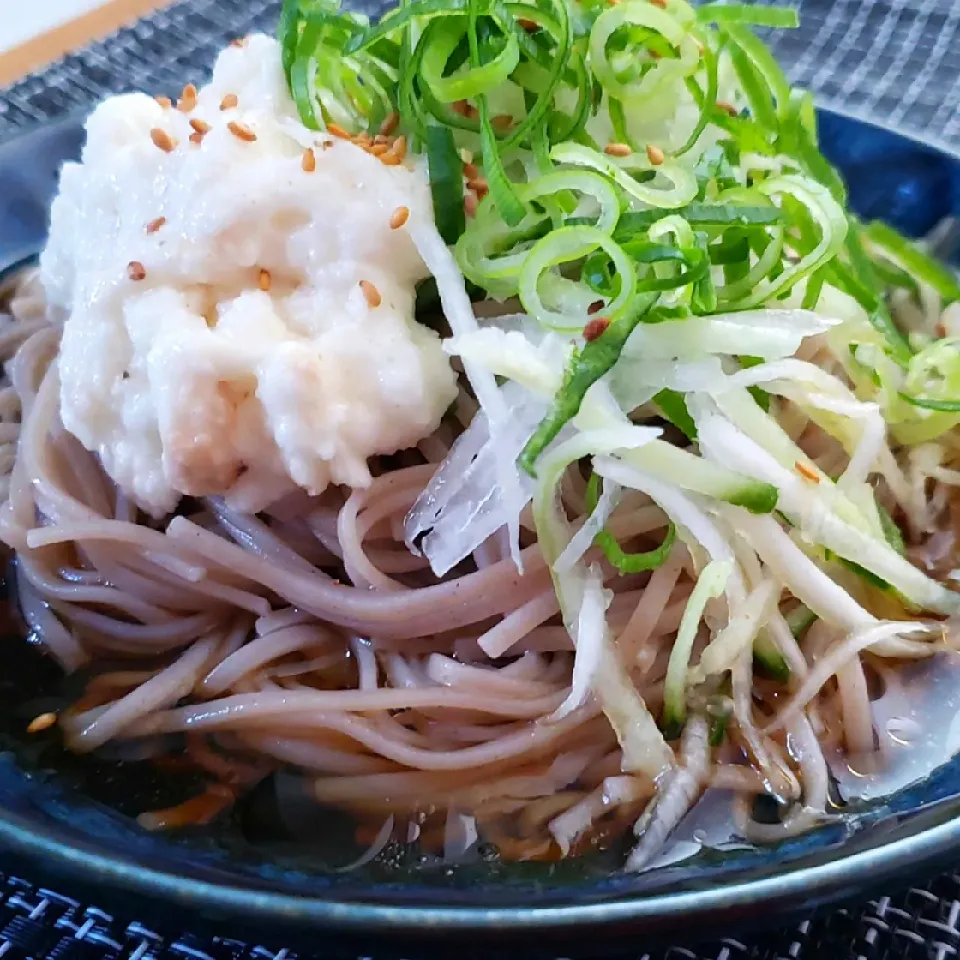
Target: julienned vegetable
533,89
675,299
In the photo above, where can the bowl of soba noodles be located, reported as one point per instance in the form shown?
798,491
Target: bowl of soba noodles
490,471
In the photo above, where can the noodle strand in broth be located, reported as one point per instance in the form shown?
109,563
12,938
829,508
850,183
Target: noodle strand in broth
310,636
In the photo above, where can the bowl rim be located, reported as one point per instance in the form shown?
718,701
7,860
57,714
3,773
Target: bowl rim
81,860
796,887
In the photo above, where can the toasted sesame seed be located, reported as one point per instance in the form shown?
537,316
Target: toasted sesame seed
617,150
662,4
470,204
655,155
465,109
238,42
727,108
363,139
162,140
164,102
335,130
595,328
196,138
400,147
466,156
200,126
502,122
806,471
264,280
389,124
471,171
479,186
44,722
188,99
229,101
940,329
595,307
379,149
308,162
371,294
241,131
399,217
136,271
531,26
390,159
154,225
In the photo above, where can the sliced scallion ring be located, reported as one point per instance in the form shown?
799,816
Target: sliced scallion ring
568,245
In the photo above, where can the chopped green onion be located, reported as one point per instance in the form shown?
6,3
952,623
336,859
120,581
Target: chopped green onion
929,403
502,190
303,88
766,68
567,245
710,585
618,20
683,184
799,140
704,299
718,728
877,313
472,82
703,215
756,16
446,182
763,109
832,224
558,66
404,16
586,367
799,619
760,396
705,98
674,408
768,659
891,532
288,32
627,562
636,562
912,259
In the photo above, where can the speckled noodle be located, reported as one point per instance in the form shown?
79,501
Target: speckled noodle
401,696
505,476
246,635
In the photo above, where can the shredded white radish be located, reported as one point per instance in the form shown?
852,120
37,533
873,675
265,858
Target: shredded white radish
771,334
590,640
459,314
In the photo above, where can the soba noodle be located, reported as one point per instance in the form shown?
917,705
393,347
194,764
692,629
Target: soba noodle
664,520
310,636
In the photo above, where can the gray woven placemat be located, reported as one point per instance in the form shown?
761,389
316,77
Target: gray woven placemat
894,61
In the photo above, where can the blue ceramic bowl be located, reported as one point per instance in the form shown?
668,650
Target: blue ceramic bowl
71,827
